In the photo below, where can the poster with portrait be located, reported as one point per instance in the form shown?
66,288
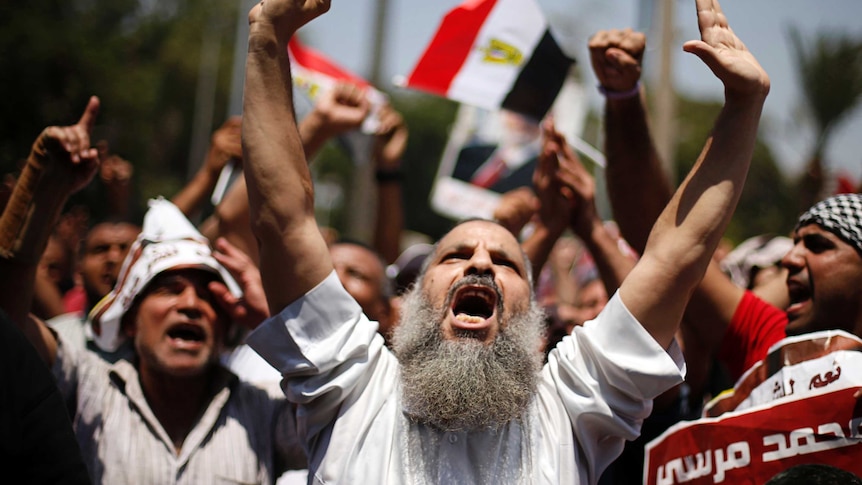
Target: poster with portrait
490,152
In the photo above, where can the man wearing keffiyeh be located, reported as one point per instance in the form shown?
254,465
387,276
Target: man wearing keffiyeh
825,264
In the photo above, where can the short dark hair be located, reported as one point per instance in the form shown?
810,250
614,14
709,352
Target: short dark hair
387,287
814,474
109,221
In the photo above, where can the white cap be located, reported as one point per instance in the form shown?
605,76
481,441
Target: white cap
168,241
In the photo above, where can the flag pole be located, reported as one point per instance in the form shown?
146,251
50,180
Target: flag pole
665,106
362,195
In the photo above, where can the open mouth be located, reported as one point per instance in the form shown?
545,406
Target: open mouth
800,295
187,332
473,305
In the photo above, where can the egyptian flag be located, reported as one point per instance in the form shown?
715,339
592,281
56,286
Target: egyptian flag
313,73
494,54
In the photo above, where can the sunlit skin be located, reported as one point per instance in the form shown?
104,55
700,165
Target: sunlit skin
477,248
362,274
177,329
105,247
825,282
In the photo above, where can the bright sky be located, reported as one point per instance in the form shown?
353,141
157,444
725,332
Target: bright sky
762,25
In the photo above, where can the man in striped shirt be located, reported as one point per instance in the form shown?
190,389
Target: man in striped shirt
172,414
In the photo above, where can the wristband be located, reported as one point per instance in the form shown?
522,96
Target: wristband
387,176
607,93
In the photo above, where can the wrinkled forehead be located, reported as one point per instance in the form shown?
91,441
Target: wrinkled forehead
197,276
482,233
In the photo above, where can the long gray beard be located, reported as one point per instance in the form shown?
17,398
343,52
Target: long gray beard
466,385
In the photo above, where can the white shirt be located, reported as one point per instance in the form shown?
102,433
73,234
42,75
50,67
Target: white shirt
593,394
243,435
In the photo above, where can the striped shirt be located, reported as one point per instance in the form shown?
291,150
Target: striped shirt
243,436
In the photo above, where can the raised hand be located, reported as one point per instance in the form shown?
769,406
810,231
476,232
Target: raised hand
342,108
252,309
65,153
226,144
554,201
114,171
616,56
577,183
60,162
337,110
391,139
287,16
722,51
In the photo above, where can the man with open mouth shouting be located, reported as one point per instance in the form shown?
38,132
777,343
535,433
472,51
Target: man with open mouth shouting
170,414
462,397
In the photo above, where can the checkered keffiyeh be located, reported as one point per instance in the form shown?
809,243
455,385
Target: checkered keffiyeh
840,215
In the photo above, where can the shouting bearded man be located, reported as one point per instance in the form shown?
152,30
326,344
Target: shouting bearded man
463,398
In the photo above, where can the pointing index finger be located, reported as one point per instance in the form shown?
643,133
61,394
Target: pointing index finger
88,119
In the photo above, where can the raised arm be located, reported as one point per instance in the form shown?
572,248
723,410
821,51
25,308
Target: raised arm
293,255
638,188
686,233
612,263
60,163
389,147
116,175
336,111
225,146
553,208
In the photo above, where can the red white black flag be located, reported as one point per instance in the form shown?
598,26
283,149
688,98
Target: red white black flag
494,54
313,73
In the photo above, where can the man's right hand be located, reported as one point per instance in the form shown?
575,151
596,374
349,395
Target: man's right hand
287,16
341,109
65,153
337,110
225,145
616,56
554,207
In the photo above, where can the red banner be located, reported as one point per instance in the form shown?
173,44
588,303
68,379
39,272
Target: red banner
750,447
794,407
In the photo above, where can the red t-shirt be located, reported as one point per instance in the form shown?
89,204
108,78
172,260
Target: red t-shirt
75,300
756,326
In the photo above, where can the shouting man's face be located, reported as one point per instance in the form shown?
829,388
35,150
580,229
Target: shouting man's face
470,333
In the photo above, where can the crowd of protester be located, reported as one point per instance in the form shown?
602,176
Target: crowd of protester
545,346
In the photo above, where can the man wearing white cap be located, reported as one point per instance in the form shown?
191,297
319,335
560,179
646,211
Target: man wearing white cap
172,414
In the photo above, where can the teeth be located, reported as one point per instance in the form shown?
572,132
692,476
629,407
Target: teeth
463,317
476,294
